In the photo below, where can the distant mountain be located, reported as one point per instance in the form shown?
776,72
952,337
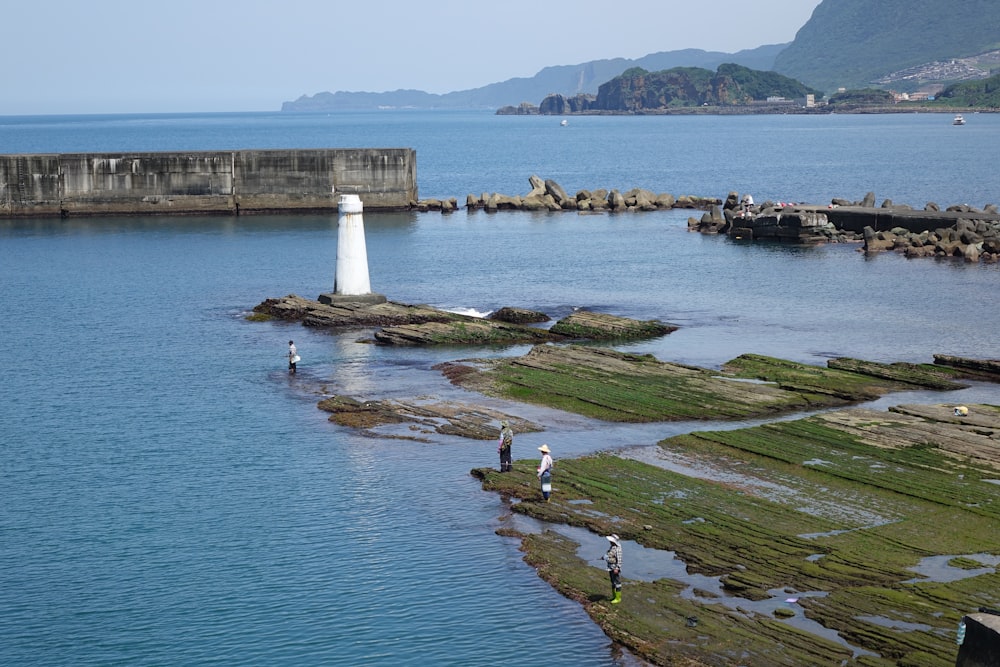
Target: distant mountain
898,44
855,43
567,80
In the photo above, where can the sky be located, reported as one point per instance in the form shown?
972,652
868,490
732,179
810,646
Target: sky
117,56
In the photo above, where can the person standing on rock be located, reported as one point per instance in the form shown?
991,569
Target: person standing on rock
613,559
545,472
504,448
293,357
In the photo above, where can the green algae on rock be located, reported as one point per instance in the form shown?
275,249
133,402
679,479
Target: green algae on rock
586,325
845,504
621,387
467,421
401,324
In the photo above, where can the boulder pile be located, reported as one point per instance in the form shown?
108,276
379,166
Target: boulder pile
548,195
971,240
958,231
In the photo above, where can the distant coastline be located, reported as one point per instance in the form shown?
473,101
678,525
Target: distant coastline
755,110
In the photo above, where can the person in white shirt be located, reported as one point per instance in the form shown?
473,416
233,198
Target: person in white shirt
293,356
545,471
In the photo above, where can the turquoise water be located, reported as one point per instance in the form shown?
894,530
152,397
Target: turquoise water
172,496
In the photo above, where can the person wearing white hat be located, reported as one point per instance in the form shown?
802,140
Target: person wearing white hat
504,448
613,558
545,471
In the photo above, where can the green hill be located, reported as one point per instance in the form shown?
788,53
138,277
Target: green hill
984,93
637,90
851,43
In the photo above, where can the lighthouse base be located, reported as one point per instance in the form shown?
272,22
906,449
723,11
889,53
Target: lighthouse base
331,299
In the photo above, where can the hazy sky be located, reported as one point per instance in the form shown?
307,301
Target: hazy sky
113,56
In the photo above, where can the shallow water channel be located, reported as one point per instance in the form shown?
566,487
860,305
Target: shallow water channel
647,564
651,564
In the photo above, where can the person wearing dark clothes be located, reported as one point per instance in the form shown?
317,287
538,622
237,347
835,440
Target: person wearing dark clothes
505,446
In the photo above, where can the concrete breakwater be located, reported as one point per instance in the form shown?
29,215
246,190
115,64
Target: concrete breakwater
232,182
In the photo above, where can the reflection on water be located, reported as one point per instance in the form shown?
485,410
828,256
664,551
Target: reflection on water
940,570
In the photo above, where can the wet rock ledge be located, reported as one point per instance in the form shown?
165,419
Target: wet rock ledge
402,324
823,519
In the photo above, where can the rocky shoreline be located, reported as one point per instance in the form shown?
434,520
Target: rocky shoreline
794,531
797,545
800,538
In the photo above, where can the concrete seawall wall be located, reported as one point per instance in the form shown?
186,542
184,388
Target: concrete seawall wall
856,218
234,182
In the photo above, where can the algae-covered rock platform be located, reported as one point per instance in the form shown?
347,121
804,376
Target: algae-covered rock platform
865,536
850,537
620,387
831,518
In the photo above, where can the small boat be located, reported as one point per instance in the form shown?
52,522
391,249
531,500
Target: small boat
564,122
958,120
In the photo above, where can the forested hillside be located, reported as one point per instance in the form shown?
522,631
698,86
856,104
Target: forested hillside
850,43
984,93
637,89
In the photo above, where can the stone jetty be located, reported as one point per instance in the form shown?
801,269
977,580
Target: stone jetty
548,195
960,231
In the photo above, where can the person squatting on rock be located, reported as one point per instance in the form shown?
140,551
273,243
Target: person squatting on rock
293,356
504,448
545,472
613,559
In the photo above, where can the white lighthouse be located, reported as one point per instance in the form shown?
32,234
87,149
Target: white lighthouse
351,282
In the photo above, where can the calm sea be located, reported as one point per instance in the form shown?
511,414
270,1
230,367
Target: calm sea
172,496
